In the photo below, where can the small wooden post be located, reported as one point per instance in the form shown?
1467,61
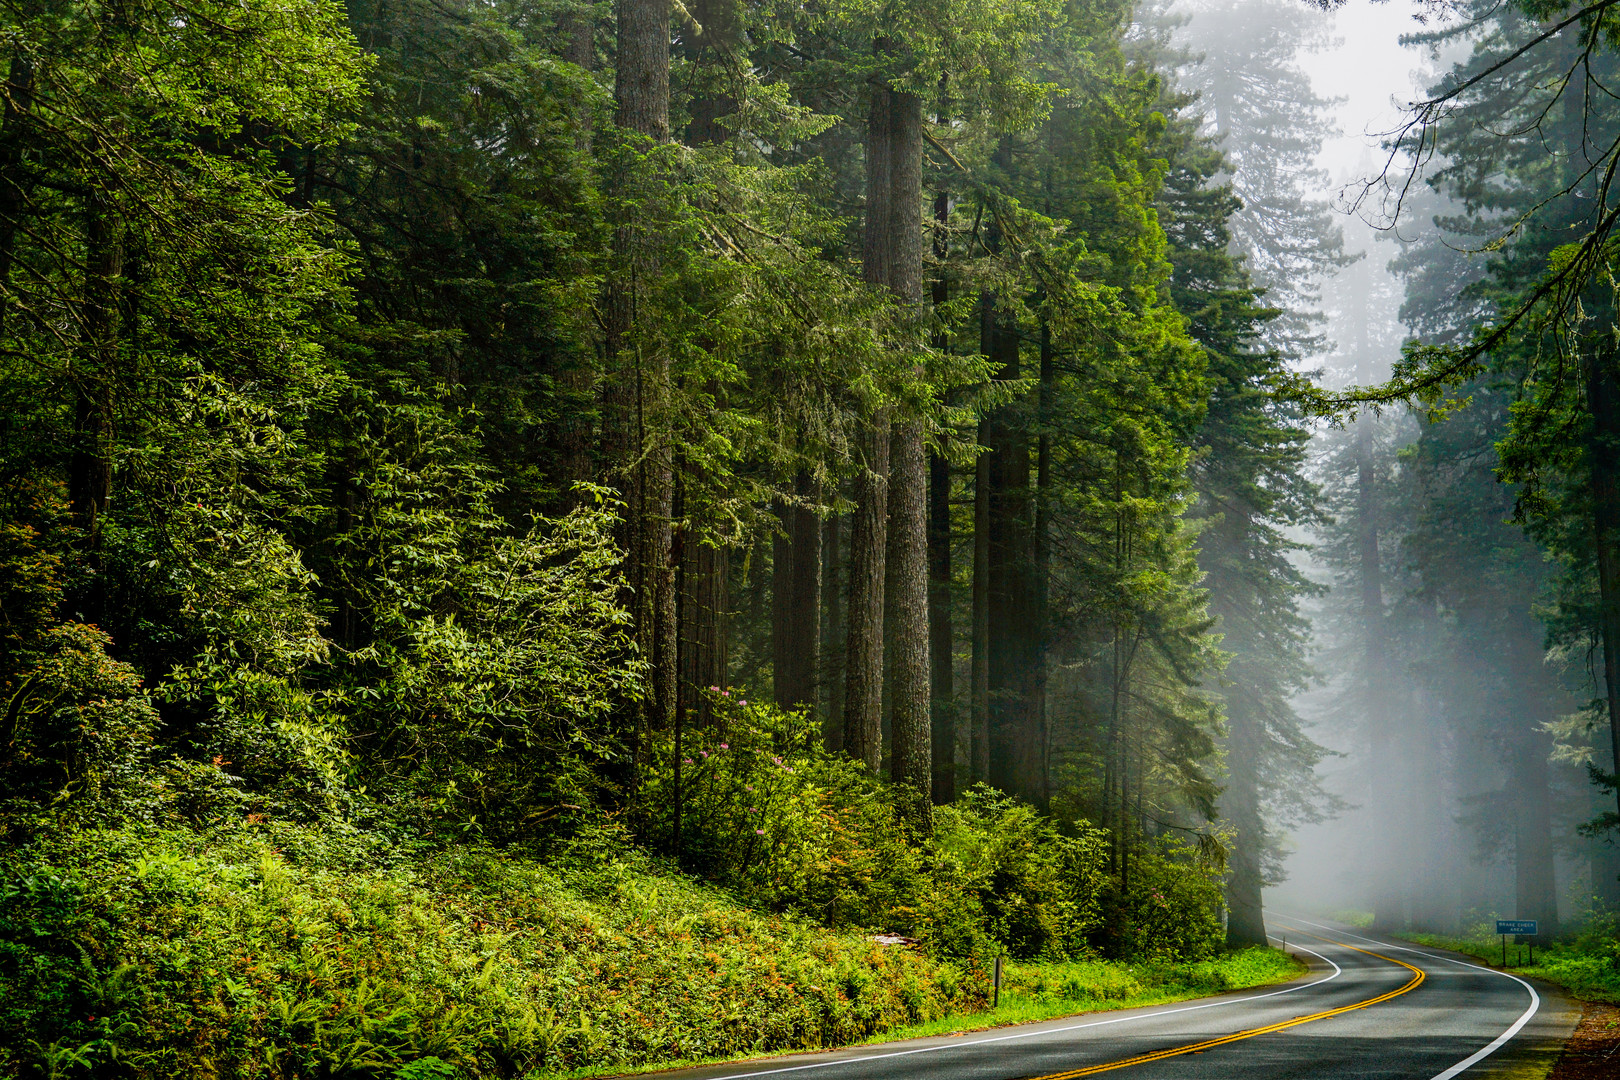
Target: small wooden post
995,982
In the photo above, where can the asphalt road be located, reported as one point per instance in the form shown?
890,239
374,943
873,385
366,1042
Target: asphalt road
1369,1010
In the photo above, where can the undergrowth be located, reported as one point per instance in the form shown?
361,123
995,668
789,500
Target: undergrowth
285,951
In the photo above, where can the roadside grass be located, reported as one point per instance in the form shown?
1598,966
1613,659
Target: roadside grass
1047,991
1032,992
1587,964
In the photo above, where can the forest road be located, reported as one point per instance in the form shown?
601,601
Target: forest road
1370,1009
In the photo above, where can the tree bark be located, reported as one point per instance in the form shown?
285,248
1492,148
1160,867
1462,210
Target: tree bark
979,678
911,723
863,648
1240,807
90,472
941,640
868,546
797,586
1603,402
1534,875
1041,556
1012,731
832,579
636,407
1388,909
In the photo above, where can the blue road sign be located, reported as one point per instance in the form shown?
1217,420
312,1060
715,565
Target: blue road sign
1517,926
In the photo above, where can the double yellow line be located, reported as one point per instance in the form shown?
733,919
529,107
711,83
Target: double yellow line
1200,1047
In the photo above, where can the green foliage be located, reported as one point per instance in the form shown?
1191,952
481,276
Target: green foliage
1170,906
769,813
786,824
269,951
1010,874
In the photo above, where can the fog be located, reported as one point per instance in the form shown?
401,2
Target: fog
1458,737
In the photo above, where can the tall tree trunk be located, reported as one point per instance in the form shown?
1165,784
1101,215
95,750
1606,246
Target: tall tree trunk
941,640
868,544
979,678
1011,730
703,572
636,406
797,583
911,724
1040,618
1603,402
1388,909
781,605
832,588
1240,807
577,413
1534,875
90,476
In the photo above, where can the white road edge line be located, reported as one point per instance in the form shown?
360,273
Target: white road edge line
1337,971
1496,1044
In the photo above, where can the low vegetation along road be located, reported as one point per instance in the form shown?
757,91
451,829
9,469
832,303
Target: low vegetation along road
1368,1009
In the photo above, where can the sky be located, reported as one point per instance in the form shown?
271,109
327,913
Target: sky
1371,73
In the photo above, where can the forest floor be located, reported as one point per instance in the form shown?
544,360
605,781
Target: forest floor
1593,1051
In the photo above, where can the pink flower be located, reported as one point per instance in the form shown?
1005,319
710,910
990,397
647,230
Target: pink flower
705,753
725,746
716,689
759,832
742,702
686,761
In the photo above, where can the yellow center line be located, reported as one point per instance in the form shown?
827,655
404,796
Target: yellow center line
1199,1047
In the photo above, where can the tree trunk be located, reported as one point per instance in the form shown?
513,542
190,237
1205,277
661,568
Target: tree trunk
832,589
781,605
797,584
90,477
911,724
1240,807
1603,402
1388,909
576,415
1534,875
636,407
941,642
979,680
1039,622
863,659
703,568
1011,729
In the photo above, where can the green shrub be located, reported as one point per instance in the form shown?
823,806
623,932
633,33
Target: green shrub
768,812
1168,908
266,950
